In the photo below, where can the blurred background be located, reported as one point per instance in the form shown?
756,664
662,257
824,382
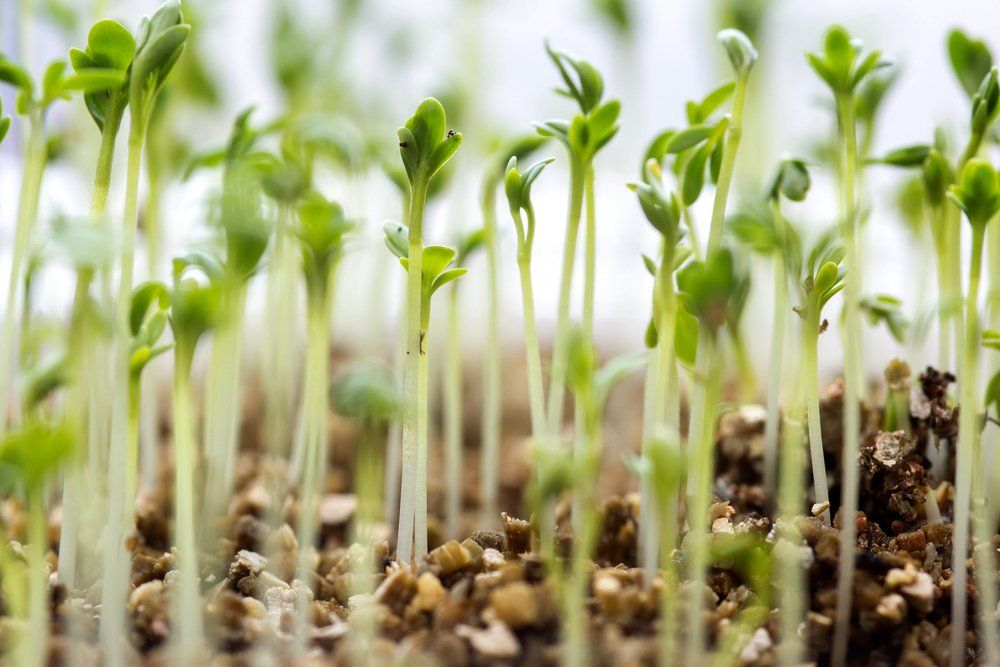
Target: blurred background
363,65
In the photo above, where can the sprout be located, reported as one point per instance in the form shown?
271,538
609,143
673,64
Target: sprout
425,146
970,59
29,458
883,308
977,194
584,135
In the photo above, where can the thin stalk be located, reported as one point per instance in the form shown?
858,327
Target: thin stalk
314,404
939,223
492,378
810,344
187,621
414,350
747,380
279,365
221,423
968,456
589,258
116,560
779,319
368,466
661,418
702,455
560,350
27,215
453,419
533,359
668,600
955,282
420,512
393,444
35,646
733,135
791,575
852,384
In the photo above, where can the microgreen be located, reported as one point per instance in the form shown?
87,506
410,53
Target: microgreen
583,136
425,145
883,308
970,59
977,194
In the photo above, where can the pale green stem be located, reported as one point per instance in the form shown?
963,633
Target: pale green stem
492,377
280,331
733,136
420,512
27,214
955,282
968,458
852,384
414,349
36,644
366,487
589,258
116,561
187,621
810,344
533,359
665,310
668,598
314,401
702,455
560,350
453,419
771,423
221,423
791,579
939,232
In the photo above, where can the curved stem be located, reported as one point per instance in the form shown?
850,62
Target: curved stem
810,344
557,383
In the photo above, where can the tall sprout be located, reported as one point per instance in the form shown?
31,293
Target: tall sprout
194,311
705,288
321,231
662,211
454,437
492,386
246,233
29,458
841,66
33,103
584,136
425,145
771,235
977,194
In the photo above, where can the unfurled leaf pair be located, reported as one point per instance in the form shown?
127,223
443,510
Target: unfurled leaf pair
700,113
841,64
425,143
30,456
366,393
148,318
791,180
585,135
707,287
110,47
825,277
583,82
322,231
434,270
56,84
970,58
887,309
517,186
977,193
985,103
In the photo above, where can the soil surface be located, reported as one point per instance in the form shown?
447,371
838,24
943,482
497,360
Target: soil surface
487,599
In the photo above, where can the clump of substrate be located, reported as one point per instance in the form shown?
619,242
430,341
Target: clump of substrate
489,599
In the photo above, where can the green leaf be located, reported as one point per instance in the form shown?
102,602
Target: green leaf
396,238
424,145
367,393
978,192
714,100
970,59
586,87
740,50
690,137
906,156
155,60
694,175
15,75
791,180
985,103
110,45
686,337
448,276
992,396
93,80
886,309
937,174
32,454
146,296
